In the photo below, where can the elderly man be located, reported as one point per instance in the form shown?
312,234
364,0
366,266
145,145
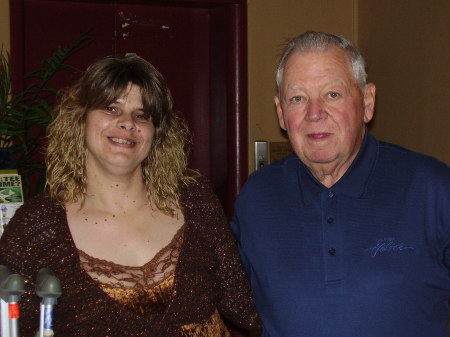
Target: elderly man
348,236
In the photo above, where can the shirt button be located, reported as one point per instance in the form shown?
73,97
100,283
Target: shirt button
330,194
330,219
332,251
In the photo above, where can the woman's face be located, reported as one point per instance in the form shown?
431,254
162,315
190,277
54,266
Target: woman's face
119,136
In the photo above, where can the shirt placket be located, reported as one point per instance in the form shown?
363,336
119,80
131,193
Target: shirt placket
332,241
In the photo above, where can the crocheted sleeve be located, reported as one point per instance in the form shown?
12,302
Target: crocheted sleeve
235,301
25,236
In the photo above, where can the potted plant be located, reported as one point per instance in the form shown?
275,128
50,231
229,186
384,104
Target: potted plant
24,116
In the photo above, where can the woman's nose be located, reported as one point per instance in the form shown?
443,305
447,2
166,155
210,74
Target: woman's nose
126,122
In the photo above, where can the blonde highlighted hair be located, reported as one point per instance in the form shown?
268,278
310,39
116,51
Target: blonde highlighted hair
165,167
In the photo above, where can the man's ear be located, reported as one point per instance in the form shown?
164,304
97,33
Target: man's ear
279,111
369,102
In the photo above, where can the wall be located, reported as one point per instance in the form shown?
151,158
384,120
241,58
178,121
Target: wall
412,96
4,24
270,23
406,45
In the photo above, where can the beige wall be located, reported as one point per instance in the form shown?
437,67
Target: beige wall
270,23
407,48
4,24
405,43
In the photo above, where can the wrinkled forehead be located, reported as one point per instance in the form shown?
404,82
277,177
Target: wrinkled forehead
330,57
317,64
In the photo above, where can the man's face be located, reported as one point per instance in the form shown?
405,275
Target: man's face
322,108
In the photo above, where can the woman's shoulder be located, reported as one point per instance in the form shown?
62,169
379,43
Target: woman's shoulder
198,186
39,205
198,197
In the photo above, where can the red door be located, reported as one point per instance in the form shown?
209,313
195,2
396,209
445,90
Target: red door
199,47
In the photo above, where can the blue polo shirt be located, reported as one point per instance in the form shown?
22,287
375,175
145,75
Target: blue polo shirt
368,257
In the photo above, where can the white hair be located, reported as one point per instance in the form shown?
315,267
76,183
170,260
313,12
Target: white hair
318,41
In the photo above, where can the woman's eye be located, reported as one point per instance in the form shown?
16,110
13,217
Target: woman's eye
110,109
142,117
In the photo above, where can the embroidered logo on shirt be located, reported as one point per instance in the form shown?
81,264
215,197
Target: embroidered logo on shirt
387,245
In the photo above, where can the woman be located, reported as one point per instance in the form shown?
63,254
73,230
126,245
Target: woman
139,242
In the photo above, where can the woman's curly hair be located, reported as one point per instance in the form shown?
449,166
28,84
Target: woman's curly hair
165,167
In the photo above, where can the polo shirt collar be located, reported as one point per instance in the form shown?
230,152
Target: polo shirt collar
353,183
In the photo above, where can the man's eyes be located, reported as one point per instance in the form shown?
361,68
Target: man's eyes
300,99
297,99
334,94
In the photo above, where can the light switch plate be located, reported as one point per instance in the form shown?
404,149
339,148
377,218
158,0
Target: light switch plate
261,153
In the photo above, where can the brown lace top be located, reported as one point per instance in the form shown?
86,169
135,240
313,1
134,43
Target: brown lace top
200,281
142,289
148,288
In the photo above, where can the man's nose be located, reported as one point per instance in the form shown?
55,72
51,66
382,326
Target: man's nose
315,109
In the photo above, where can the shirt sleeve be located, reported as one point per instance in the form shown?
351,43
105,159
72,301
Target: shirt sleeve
445,225
235,228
